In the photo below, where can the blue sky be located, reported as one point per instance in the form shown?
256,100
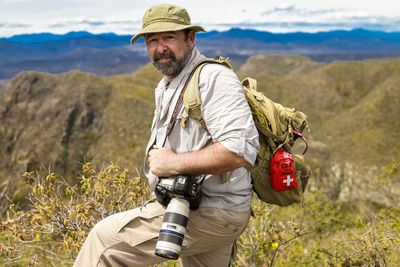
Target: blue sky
124,16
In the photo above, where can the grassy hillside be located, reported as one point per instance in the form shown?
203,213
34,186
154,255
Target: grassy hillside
342,99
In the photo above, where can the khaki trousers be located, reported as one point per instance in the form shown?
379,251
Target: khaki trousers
129,238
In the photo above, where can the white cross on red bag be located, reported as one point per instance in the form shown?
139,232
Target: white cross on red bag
282,170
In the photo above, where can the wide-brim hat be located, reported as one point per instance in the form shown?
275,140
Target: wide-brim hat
165,18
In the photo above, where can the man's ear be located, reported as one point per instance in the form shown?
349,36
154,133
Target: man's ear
191,38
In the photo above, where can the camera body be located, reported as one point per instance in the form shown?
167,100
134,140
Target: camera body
180,186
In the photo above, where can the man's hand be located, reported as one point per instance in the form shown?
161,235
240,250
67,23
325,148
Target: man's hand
162,161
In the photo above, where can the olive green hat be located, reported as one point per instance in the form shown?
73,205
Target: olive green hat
165,18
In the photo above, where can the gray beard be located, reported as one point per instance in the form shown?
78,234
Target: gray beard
174,67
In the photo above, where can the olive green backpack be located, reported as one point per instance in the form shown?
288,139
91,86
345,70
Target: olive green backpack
278,127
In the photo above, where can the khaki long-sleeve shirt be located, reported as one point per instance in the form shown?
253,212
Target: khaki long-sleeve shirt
229,121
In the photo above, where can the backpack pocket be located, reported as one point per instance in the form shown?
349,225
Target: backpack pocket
262,184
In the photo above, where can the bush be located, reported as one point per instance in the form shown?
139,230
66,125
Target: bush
322,233
61,215
52,229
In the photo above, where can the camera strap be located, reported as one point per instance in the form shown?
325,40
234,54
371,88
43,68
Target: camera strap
178,108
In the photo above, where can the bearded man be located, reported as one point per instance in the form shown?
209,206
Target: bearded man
219,153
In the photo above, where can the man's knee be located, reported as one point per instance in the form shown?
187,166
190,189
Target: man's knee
104,231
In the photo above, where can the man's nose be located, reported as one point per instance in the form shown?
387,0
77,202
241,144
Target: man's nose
161,46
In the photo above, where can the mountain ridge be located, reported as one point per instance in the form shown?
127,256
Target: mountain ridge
96,53
36,38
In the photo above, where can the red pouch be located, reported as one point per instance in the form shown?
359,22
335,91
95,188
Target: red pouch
283,173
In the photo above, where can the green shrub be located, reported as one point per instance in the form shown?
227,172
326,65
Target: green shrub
51,230
322,233
60,215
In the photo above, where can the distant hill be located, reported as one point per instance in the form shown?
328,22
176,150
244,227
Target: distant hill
353,106
64,120
3,84
81,38
108,54
264,65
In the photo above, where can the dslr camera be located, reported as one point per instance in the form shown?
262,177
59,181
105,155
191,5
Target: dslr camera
180,186
179,194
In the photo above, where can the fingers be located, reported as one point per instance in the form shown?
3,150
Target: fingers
151,150
151,153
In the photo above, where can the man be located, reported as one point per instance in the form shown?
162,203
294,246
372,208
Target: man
229,143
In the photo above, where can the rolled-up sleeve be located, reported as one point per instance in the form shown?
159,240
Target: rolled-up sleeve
226,112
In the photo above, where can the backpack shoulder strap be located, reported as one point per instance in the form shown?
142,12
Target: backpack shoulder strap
191,98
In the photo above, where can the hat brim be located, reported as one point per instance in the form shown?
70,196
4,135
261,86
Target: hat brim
165,27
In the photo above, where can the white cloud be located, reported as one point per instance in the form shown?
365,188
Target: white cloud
280,9
124,16
15,1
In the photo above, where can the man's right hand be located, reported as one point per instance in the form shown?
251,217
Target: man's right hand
162,161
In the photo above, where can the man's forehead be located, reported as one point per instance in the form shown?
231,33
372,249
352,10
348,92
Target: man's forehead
148,35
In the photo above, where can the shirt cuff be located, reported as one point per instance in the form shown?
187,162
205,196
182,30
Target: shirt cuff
241,147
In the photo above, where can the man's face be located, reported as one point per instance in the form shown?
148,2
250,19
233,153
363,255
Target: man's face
170,51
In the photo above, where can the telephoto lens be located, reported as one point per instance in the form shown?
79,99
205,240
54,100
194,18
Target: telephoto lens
173,229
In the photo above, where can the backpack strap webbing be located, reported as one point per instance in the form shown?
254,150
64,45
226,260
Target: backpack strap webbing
191,98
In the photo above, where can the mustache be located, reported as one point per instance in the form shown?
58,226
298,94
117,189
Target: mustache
166,54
